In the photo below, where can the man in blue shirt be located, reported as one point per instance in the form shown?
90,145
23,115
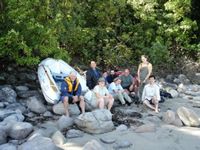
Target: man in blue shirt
71,93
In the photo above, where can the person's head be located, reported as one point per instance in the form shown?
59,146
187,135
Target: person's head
126,72
93,64
101,81
152,79
144,58
105,74
72,76
112,72
117,81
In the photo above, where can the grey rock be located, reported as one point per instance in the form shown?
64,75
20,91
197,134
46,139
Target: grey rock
3,136
15,117
8,146
93,145
123,144
20,130
39,143
64,122
8,95
27,94
177,122
35,105
188,116
146,128
16,106
122,127
58,138
169,117
173,93
98,121
5,113
21,88
74,133
2,105
47,114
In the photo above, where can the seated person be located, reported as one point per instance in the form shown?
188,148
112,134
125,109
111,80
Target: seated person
110,78
127,80
101,95
151,94
71,93
118,92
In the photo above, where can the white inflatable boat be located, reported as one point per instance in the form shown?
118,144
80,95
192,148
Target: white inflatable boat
51,73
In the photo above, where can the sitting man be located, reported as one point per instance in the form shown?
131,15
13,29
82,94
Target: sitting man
71,93
127,80
151,94
118,92
101,95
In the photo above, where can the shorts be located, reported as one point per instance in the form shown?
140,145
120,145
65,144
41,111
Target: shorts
150,101
70,99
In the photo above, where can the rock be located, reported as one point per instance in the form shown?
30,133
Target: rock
64,122
123,144
98,121
5,113
16,106
183,79
3,136
8,147
60,110
20,130
58,138
74,133
93,145
39,143
108,140
122,127
27,94
47,129
8,94
181,88
15,117
177,122
21,88
173,93
35,105
153,119
146,128
47,114
169,117
189,117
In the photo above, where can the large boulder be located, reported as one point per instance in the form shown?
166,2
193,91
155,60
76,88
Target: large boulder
64,122
58,138
7,94
98,121
39,143
8,146
93,145
3,136
20,130
169,117
35,105
189,117
60,110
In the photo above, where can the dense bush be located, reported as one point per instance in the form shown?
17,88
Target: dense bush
114,32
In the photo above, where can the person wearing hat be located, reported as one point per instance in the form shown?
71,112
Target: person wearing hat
71,93
118,92
101,95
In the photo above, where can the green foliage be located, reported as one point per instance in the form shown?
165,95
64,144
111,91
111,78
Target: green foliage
112,32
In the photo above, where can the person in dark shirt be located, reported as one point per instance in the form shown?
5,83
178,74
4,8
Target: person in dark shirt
92,75
71,92
111,76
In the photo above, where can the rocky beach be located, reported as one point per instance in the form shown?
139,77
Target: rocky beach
28,122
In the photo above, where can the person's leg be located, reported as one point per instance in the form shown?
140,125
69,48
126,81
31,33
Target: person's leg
100,103
119,96
125,95
140,90
66,104
155,102
109,101
82,104
147,103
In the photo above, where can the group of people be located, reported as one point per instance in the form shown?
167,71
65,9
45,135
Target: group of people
109,87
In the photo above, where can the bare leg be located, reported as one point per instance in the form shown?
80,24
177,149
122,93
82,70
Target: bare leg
82,104
110,101
66,104
155,102
101,103
146,102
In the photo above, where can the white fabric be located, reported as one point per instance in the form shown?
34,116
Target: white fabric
150,91
113,87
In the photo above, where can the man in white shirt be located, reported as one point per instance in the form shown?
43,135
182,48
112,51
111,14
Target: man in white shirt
151,94
118,92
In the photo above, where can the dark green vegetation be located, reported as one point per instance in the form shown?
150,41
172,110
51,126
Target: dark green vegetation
113,32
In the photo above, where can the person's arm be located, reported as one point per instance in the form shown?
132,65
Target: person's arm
138,72
64,89
96,91
89,79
